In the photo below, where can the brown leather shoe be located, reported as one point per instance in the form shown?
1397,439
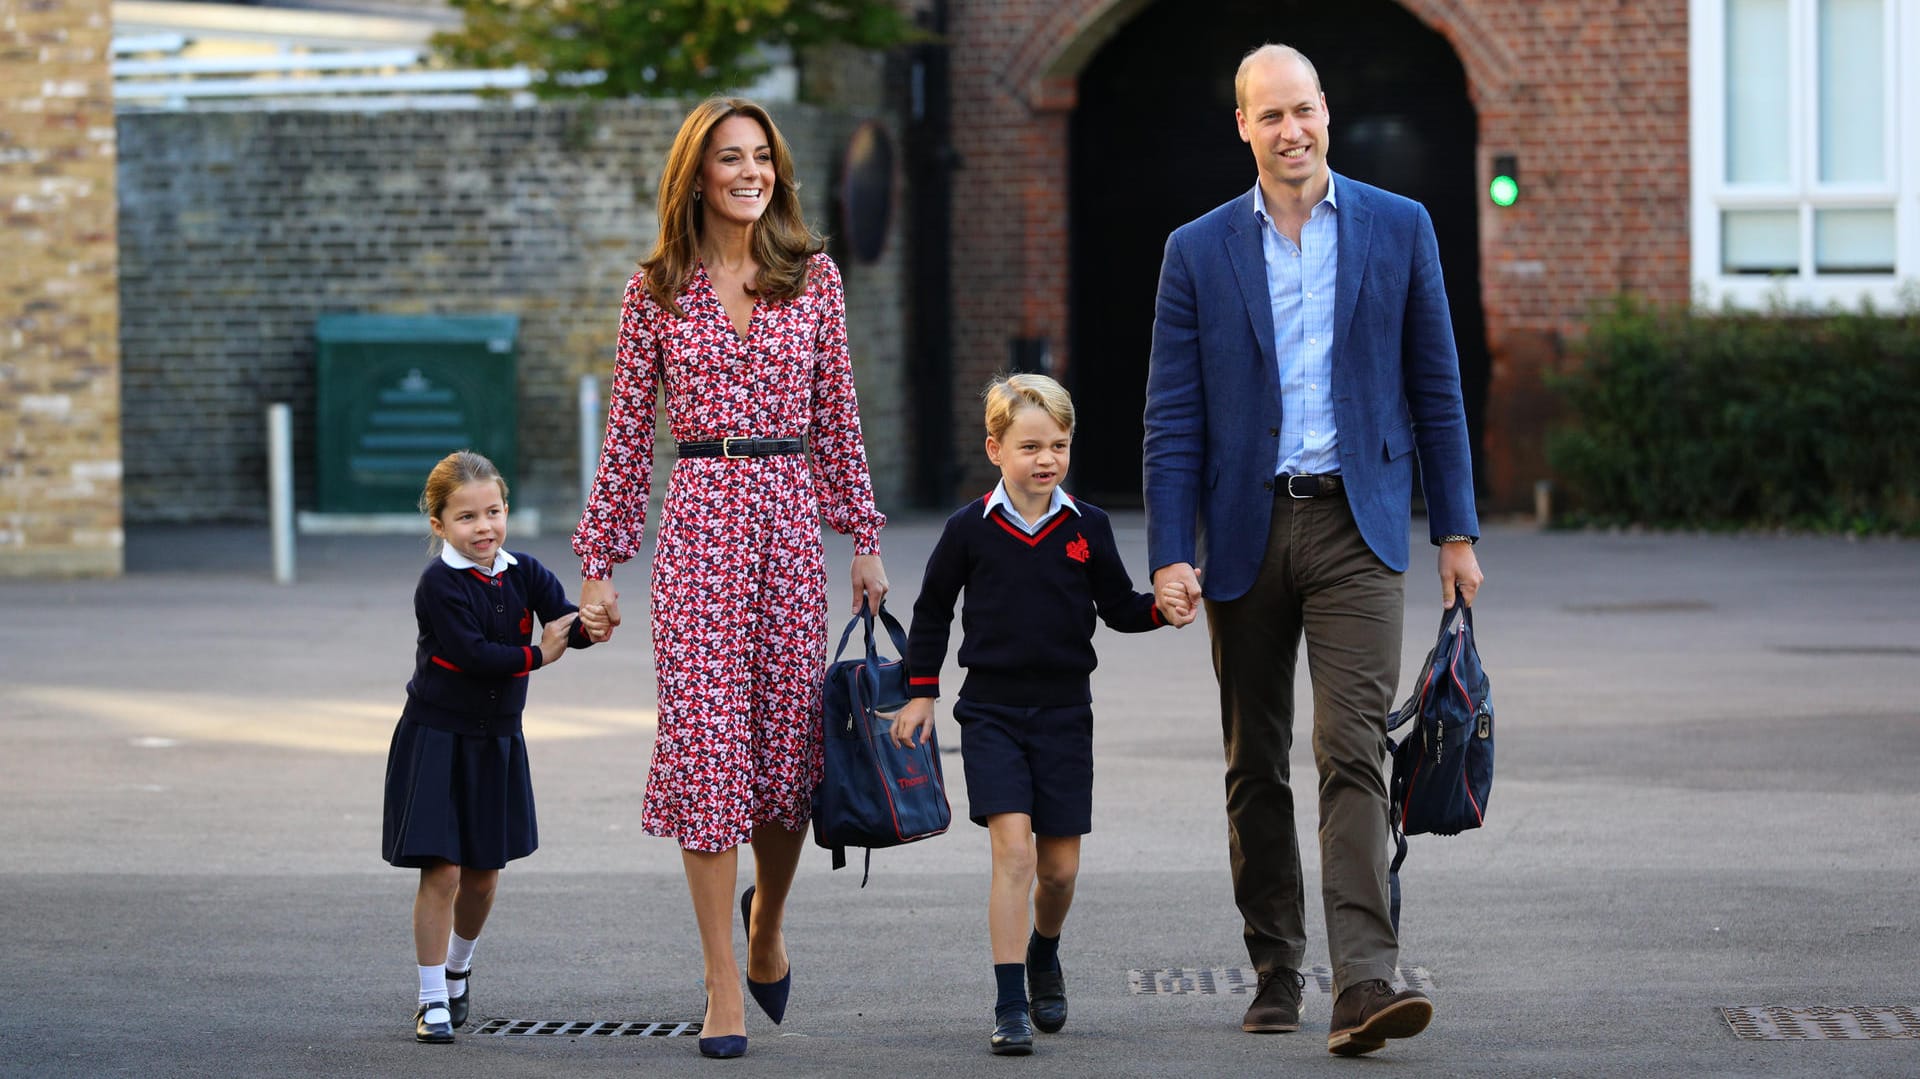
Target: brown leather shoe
1276,1003
1368,1013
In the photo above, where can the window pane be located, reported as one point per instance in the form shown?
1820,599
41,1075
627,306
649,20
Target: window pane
1760,241
1852,91
1853,241
1758,122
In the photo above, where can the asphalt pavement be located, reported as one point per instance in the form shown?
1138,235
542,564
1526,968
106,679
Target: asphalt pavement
1705,799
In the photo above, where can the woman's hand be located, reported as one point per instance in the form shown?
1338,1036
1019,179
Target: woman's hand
599,592
869,582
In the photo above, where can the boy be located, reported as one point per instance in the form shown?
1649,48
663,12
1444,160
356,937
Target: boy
1036,565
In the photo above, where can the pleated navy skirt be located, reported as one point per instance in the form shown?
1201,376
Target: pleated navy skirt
460,798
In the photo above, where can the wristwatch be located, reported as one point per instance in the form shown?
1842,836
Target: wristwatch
1459,539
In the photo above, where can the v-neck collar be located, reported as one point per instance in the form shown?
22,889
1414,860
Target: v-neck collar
714,292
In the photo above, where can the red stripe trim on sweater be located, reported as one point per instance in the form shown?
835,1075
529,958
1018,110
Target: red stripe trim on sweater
923,681
1032,541
443,663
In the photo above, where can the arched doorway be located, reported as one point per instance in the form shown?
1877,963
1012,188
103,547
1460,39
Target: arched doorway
1153,146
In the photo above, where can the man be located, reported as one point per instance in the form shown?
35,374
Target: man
1302,354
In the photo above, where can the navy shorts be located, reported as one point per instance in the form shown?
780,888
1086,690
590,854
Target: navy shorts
1037,761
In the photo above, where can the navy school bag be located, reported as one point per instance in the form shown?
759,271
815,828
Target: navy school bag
873,793
1443,765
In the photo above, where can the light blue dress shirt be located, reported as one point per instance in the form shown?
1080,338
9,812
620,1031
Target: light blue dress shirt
1300,286
1059,501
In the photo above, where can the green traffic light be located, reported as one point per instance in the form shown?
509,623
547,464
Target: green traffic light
1504,190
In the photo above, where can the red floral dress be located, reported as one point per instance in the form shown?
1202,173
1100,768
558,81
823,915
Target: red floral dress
739,585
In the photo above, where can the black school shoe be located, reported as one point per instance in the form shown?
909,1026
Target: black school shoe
436,1031
459,1006
1012,1033
1048,991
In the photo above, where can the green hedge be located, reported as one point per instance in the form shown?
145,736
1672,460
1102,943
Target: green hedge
1678,418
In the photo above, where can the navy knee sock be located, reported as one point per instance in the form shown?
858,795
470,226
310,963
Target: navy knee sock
1043,953
1012,978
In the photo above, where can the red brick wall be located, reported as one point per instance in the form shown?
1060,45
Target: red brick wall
1591,95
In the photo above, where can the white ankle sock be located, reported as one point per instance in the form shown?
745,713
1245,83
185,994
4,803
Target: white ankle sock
459,961
433,984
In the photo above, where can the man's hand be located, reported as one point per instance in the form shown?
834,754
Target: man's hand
1176,589
1459,567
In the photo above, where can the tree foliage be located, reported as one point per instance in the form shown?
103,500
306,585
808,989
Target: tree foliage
656,48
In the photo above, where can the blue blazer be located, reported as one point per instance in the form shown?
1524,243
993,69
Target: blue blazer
1213,389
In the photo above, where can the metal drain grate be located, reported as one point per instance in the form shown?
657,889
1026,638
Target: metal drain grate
1773,1023
1180,981
573,1028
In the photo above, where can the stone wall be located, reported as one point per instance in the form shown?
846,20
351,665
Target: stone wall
239,228
59,348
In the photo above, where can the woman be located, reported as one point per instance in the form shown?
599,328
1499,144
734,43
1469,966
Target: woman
739,315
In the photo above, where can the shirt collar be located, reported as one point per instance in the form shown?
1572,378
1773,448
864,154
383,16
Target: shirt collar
502,558
1060,500
1260,203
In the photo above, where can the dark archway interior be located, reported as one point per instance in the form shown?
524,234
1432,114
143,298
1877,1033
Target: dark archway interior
1153,146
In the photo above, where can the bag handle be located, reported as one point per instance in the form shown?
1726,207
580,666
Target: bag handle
865,618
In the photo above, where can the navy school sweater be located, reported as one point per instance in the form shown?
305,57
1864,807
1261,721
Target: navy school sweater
476,645
1027,622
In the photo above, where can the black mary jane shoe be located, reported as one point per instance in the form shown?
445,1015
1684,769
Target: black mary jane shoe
461,1005
771,996
1012,1033
1048,990
437,1032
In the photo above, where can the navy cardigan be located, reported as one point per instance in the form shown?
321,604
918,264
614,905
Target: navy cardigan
1027,622
476,644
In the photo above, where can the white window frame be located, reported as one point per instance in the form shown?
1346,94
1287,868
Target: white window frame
1707,79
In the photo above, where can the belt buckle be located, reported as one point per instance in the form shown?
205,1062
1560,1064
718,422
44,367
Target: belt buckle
726,448
1302,476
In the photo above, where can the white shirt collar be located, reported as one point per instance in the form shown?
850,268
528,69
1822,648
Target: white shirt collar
502,558
1060,500
1260,201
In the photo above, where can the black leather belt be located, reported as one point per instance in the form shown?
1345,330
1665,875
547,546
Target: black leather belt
1306,485
736,448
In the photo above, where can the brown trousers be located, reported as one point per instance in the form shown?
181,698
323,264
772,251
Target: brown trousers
1319,578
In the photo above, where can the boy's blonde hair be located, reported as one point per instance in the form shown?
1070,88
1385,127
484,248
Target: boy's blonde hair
1007,394
452,472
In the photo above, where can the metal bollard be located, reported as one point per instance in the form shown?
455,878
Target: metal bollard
280,489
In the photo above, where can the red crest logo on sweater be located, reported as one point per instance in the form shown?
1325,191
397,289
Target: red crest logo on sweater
526,621
1078,549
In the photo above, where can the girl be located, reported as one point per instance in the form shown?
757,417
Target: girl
459,801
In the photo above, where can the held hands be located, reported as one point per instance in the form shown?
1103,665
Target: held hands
553,638
1176,591
1458,566
594,620
913,722
599,593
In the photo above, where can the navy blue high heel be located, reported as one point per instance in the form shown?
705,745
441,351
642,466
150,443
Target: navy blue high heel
725,1047
771,996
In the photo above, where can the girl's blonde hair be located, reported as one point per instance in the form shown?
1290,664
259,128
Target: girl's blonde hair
782,242
453,472
1006,394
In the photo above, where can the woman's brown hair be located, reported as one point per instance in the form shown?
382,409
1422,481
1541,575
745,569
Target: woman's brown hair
782,242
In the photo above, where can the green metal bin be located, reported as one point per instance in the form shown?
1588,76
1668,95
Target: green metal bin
396,393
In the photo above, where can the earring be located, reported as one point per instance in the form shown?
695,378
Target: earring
696,194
